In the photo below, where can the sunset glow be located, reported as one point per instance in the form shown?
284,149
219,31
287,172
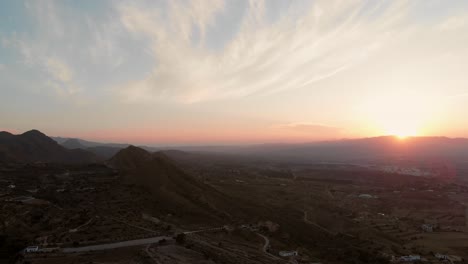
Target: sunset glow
234,131
211,72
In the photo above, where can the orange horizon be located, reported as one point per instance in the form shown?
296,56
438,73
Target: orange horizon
152,137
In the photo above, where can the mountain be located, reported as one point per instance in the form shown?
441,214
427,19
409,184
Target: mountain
104,151
72,143
175,190
33,146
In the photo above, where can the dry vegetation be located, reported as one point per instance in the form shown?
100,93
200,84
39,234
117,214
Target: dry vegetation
318,211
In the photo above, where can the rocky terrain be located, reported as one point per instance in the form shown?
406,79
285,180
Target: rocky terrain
181,207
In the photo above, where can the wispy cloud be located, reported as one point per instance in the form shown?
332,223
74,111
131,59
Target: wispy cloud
61,76
164,52
295,51
454,23
58,70
66,48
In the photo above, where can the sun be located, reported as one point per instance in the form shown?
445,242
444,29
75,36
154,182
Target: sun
400,127
400,114
403,132
401,137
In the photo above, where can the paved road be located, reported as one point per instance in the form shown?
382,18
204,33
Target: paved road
128,243
267,242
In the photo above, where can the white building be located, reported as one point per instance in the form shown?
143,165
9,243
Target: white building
441,256
31,249
450,258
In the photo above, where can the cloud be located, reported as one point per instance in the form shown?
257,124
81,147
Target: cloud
454,23
58,70
61,76
67,49
58,75
148,51
41,53
297,50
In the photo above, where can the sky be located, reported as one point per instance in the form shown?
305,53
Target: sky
234,72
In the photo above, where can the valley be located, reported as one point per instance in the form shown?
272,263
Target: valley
191,207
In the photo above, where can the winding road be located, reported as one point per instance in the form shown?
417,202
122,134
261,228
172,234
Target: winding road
266,246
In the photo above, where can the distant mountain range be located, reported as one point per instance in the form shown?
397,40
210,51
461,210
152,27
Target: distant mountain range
103,150
34,146
366,149
81,143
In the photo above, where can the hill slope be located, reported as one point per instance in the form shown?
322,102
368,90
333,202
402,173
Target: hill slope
33,146
175,190
103,151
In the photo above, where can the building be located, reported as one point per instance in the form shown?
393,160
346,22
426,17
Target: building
427,228
31,249
288,253
450,258
441,256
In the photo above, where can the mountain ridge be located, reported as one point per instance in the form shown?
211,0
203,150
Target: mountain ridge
35,146
168,184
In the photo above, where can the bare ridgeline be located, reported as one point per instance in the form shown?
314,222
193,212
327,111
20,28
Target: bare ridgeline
374,200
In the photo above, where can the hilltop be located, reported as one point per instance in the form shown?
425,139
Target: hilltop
34,146
174,190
